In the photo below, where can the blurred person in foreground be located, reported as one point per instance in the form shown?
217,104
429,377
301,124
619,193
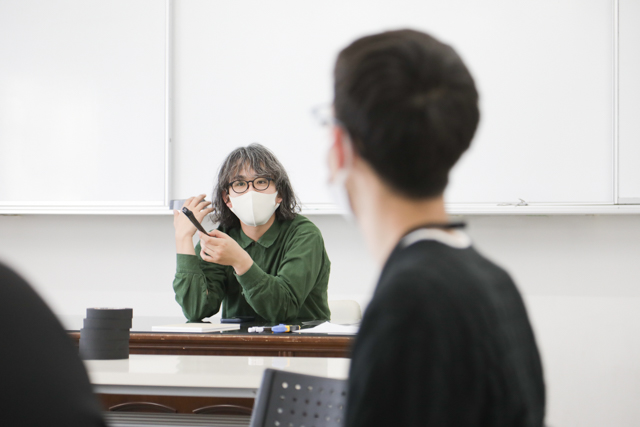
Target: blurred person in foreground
446,340
42,380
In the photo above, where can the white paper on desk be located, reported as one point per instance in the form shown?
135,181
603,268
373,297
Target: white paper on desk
196,327
332,328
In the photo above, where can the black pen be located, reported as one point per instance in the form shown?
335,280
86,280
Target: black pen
193,220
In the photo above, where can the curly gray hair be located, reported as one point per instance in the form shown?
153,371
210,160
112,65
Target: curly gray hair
265,164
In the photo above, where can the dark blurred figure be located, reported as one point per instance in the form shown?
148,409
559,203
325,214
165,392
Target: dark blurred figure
42,380
446,339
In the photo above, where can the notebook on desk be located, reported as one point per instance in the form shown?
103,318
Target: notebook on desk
332,329
196,327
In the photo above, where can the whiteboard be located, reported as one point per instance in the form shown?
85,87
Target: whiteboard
82,103
251,71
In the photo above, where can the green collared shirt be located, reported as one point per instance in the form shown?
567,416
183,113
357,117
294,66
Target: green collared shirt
287,281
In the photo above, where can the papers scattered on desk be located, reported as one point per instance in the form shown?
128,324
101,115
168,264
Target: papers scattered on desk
196,327
332,329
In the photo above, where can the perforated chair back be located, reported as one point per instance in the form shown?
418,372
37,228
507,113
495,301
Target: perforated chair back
286,399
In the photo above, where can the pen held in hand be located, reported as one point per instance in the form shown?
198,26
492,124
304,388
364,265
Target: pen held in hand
193,220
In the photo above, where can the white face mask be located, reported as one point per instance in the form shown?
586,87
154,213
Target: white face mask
337,187
340,194
254,208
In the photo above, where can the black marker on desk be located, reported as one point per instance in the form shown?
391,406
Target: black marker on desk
275,329
193,220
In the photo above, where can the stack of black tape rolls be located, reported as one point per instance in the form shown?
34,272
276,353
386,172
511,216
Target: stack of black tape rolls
105,334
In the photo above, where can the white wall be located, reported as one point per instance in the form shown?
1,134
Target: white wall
580,276
80,261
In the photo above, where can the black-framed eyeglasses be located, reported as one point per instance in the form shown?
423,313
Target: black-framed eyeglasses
323,115
241,186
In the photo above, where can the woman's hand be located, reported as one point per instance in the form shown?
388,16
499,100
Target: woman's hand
221,249
184,228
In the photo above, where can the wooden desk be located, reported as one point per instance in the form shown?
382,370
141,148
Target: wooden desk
230,343
187,383
255,347
237,344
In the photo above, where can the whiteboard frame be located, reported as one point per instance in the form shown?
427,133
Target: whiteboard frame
117,207
618,200
168,74
514,209
616,101
332,209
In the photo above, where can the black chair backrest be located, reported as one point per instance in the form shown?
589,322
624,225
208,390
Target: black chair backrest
287,399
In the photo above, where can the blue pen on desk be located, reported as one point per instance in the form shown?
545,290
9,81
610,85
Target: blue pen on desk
282,328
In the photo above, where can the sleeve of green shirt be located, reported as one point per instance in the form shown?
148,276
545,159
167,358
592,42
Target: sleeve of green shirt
280,296
199,287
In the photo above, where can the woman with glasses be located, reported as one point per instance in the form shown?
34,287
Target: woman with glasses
264,260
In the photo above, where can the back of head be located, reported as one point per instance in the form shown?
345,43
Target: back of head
410,107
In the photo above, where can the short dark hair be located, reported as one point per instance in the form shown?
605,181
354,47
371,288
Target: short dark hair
265,164
410,107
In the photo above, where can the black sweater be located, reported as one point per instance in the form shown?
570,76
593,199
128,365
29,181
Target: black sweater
42,380
445,341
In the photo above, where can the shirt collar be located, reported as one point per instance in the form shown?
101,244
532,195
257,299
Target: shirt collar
243,239
267,238
454,238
